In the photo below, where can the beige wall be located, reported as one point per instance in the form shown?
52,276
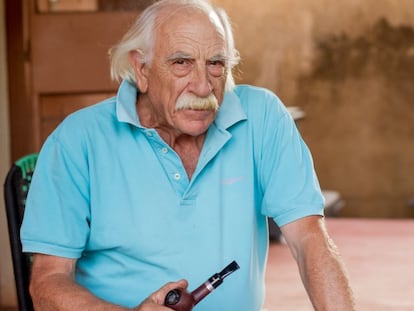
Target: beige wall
7,292
278,38
350,66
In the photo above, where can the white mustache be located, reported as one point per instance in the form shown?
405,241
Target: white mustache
191,101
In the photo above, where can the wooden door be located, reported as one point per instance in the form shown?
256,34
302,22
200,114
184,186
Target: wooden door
58,61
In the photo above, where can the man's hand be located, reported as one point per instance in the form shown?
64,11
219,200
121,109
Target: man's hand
155,301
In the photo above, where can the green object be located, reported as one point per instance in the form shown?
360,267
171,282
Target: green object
27,165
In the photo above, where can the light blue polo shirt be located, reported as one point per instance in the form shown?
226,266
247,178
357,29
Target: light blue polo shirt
114,195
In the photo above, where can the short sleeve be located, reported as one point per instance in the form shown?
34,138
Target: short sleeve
286,172
57,215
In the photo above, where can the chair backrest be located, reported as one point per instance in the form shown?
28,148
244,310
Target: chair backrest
16,187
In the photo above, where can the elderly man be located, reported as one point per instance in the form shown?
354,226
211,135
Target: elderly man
173,178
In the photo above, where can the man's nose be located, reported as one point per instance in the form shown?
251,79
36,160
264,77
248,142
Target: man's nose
200,83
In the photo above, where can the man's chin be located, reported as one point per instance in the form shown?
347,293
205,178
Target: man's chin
195,122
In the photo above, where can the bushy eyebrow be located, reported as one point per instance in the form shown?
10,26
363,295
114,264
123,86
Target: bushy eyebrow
183,55
178,55
218,57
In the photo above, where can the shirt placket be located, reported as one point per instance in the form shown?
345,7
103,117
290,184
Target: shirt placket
170,162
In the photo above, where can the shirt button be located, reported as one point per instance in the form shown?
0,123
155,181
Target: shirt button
164,150
177,176
149,134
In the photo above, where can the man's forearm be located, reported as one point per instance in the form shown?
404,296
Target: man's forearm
53,288
320,264
60,292
326,280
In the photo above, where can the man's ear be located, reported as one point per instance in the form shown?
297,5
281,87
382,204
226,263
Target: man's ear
140,70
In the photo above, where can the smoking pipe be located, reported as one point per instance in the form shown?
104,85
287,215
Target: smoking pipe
181,300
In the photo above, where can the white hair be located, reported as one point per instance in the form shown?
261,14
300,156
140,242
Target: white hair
141,37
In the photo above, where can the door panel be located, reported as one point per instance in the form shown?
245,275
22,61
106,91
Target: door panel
70,51
58,61
70,64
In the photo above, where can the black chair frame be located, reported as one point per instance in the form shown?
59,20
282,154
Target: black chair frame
16,186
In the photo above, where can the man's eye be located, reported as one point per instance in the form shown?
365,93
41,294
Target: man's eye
216,67
181,61
181,66
217,63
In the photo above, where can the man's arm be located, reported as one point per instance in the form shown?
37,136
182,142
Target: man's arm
53,287
322,271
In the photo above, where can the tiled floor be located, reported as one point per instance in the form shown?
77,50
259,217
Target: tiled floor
379,255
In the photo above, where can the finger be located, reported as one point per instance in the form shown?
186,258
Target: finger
159,296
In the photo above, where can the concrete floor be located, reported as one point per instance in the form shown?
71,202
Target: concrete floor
379,255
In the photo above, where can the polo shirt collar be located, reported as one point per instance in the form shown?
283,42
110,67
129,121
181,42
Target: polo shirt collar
126,109
230,111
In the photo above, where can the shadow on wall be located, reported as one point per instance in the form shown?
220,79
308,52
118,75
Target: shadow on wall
360,94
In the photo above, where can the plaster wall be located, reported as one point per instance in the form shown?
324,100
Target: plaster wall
350,66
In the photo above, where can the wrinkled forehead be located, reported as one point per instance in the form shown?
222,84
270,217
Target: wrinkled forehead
170,17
